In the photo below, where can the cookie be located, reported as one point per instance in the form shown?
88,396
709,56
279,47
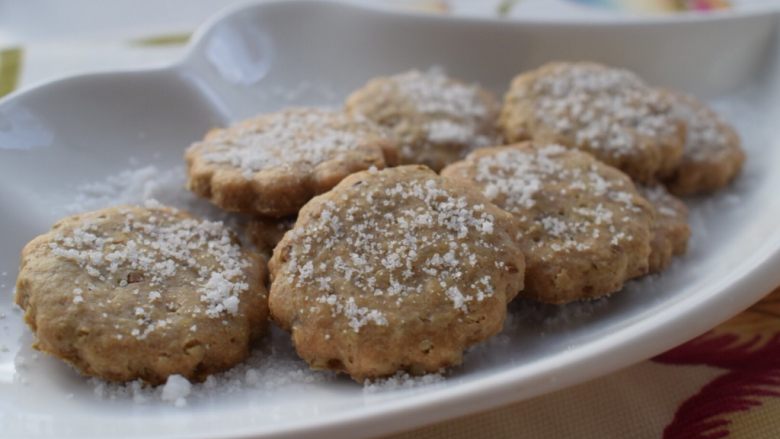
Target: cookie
128,293
394,270
437,119
712,156
265,233
585,229
670,229
272,164
608,112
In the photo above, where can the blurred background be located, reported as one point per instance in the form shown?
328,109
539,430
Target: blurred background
46,39
34,20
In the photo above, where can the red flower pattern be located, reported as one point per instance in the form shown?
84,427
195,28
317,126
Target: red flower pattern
748,348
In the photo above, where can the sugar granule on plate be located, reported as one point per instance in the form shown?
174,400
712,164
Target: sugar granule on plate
271,367
132,186
139,186
176,389
402,380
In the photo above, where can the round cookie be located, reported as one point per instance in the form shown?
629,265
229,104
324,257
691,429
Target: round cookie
712,156
585,229
394,270
265,233
670,229
129,293
273,163
437,120
608,112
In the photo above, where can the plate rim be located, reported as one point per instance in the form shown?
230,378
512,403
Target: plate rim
746,283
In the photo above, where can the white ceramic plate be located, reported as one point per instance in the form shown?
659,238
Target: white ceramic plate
266,56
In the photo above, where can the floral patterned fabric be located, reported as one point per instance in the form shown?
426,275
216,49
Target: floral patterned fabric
723,384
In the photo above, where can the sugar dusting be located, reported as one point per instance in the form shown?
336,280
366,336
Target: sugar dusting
136,186
451,112
606,109
292,137
271,366
402,380
131,186
708,136
535,182
404,241
666,205
432,92
274,366
164,243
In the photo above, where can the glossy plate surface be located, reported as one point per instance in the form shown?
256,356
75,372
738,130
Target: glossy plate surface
262,57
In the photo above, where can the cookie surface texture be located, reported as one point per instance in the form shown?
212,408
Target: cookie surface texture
272,164
712,156
584,228
394,270
670,228
131,293
608,112
265,233
437,120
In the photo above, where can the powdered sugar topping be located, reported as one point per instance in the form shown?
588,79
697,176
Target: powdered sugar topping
272,367
293,137
665,204
432,92
562,192
604,109
453,112
418,235
153,247
705,134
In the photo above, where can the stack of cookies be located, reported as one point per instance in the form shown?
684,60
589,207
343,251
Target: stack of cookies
395,230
